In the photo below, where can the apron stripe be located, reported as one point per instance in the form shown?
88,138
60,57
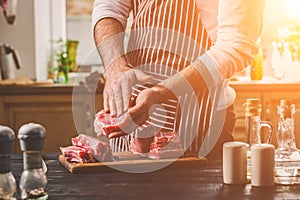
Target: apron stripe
180,29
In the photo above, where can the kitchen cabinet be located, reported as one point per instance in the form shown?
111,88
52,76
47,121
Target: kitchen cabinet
270,95
63,114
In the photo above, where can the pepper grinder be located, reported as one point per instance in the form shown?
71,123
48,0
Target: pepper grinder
33,182
8,186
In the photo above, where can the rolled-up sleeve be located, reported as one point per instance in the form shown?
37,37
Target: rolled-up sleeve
239,27
117,9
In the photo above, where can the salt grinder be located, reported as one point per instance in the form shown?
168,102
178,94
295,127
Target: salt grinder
8,186
33,182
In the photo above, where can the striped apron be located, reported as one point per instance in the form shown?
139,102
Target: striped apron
167,36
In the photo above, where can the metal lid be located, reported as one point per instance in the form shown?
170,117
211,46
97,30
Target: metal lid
286,102
286,108
7,137
252,101
252,107
32,137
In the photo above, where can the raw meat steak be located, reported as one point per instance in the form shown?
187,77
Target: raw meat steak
165,145
162,145
77,154
105,124
100,150
140,145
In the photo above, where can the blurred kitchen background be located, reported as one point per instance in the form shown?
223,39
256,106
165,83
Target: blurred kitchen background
39,23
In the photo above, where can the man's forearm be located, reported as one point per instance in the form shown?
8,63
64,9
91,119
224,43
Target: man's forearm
106,28
109,39
186,82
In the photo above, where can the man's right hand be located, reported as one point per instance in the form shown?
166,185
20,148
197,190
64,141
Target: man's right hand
118,87
109,39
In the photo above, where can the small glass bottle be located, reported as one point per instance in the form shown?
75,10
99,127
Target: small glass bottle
287,150
253,123
252,118
286,59
8,186
33,182
276,61
286,55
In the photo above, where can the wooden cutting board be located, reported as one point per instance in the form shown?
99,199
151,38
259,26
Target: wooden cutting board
127,160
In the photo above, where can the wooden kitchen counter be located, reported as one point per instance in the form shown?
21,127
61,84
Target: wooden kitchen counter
265,85
176,183
63,109
38,89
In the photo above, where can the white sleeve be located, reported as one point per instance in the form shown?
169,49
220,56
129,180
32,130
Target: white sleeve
117,9
239,26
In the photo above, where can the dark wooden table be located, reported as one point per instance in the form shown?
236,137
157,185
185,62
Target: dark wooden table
193,182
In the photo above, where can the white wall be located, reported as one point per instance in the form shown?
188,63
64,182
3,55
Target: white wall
21,36
49,25
81,29
37,23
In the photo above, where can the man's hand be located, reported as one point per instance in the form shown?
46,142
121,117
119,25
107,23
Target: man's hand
171,88
118,88
138,114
